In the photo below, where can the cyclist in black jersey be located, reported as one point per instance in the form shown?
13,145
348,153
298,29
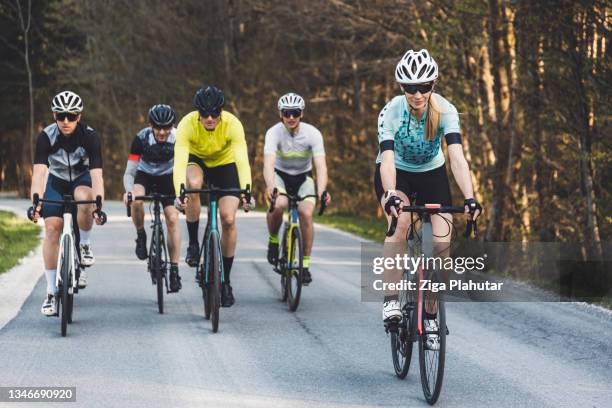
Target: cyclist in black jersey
149,169
69,152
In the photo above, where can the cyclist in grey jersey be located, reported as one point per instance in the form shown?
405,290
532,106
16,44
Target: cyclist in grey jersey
149,169
290,148
68,152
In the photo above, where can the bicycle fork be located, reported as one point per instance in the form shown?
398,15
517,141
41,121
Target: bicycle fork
66,232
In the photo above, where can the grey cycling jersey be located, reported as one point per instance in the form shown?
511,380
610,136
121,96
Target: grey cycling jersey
68,157
154,158
294,153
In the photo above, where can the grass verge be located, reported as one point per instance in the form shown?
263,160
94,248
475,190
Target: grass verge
17,238
366,227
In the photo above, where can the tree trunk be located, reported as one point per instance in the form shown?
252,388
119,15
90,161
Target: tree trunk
27,148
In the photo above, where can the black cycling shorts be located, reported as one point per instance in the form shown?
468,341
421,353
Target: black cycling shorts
223,176
431,187
56,189
156,184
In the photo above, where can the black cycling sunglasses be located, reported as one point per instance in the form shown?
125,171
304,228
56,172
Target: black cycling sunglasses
291,112
414,88
214,113
167,127
62,116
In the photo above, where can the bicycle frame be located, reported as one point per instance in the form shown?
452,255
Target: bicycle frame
292,225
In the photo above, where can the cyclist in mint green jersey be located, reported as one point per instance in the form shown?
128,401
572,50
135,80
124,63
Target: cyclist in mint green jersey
411,128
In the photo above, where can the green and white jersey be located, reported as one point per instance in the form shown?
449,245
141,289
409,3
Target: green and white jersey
294,153
413,152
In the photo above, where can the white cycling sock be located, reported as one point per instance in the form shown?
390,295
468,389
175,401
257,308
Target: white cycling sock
84,237
50,275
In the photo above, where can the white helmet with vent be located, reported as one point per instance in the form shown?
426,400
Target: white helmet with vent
291,101
67,101
416,67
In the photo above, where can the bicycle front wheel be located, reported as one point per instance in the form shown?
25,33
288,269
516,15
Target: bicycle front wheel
432,359
157,268
282,265
402,339
214,281
293,276
65,303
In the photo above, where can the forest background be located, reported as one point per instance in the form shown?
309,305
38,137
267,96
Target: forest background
531,80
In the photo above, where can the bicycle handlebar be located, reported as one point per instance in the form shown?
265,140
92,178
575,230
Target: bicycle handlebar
67,201
435,209
213,190
150,197
297,198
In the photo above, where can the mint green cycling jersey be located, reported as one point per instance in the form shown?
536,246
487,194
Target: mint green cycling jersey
413,152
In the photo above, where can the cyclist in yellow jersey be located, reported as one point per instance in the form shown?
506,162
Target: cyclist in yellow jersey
210,145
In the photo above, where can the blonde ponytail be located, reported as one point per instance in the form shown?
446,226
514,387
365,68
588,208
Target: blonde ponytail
433,118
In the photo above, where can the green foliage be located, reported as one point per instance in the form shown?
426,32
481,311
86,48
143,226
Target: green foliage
371,228
534,158
17,238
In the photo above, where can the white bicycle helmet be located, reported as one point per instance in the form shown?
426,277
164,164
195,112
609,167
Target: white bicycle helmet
416,67
67,101
291,101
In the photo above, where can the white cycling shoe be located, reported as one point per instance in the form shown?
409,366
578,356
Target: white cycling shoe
49,306
433,340
87,257
82,280
391,311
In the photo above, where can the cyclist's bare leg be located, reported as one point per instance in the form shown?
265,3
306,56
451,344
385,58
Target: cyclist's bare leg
305,211
174,232
275,218
53,230
396,244
138,207
442,233
84,211
195,178
228,205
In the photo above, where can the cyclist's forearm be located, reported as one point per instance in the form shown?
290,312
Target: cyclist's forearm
128,176
38,180
269,160
387,170
179,172
97,183
461,172
321,169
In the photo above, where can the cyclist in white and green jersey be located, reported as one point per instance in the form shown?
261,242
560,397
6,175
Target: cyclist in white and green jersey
290,148
410,159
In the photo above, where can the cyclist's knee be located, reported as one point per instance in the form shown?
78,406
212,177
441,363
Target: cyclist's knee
83,193
306,210
194,180
53,228
228,220
171,218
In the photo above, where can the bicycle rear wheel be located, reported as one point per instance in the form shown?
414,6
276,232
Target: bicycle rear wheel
65,303
293,276
432,361
214,281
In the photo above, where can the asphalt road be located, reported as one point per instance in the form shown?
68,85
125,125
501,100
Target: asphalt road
333,351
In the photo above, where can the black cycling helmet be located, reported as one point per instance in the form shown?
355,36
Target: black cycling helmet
209,99
162,115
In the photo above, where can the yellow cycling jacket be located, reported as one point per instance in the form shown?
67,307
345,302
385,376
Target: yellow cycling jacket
224,145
